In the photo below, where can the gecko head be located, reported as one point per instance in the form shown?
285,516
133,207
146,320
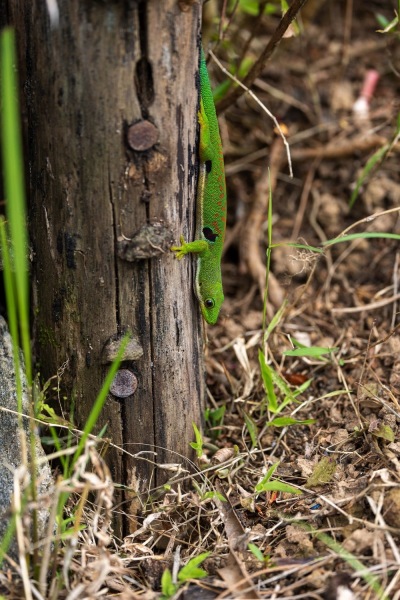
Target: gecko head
211,301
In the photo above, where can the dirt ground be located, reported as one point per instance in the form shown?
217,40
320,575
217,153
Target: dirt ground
300,499
347,461
333,435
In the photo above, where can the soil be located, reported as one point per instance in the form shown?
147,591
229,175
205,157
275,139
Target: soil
345,298
296,491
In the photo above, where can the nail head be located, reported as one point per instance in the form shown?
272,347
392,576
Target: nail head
124,384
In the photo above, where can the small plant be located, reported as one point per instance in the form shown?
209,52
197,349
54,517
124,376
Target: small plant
191,571
257,553
210,495
268,485
198,444
389,27
252,429
214,419
272,379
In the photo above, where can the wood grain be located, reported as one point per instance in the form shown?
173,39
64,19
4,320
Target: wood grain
106,67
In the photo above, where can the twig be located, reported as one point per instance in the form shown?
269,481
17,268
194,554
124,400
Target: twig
341,150
369,219
377,343
331,151
372,306
376,510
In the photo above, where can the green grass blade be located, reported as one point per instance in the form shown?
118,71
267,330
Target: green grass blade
311,352
277,486
7,539
275,320
100,400
371,162
352,561
267,475
11,311
365,235
11,142
287,421
266,374
252,429
299,246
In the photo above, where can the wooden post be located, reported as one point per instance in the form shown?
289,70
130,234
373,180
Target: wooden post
110,103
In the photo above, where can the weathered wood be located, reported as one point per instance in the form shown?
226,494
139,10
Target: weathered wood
110,109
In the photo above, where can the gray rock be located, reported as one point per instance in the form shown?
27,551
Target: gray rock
10,438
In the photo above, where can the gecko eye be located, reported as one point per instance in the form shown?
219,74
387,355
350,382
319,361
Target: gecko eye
209,303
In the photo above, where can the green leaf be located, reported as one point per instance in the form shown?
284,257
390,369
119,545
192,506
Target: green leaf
198,444
168,588
252,429
267,475
382,20
215,416
214,419
252,7
213,495
303,387
191,570
371,162
222,89
386,26
286,421
365,235
311,351
266,374
277,486
275,320
14,189
255,550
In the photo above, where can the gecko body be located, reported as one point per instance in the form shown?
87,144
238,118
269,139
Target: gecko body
210,206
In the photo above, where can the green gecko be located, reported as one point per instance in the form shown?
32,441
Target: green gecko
210,207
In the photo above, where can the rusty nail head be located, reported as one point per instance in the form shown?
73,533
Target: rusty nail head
124,384
142,135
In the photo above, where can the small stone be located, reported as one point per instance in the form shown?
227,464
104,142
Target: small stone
124,384
133,349
11,452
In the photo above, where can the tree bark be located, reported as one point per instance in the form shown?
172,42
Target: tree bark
110,118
